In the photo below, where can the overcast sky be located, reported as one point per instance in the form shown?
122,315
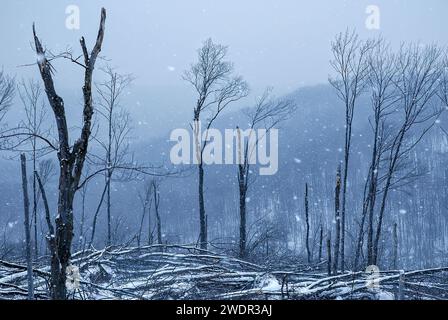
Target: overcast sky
284,43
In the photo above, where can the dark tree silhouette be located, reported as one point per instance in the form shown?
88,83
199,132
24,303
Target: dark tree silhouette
71,158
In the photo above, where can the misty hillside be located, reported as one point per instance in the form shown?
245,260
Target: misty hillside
310,149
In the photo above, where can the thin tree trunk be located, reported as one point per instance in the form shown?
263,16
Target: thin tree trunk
337,193
395,254
26,205
150,238
109,222
307,221
401,286
45,201
344,195
392,166
329,255
109,176
159,227
36,250
360,239
321,239
243,171
82,240
95,216
243,222
202,214
51,238
156,207
372,194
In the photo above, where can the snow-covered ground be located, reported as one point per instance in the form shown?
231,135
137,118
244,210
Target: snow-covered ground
183,272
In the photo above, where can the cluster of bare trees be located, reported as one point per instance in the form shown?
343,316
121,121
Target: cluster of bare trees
216,87
406,90
115,146
350,64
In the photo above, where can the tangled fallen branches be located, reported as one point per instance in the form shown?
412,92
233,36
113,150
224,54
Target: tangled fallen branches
184,272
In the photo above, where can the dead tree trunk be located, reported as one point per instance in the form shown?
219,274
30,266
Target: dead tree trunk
395,254
243,221
51,238
95,216
337,193
26,205
156,208
36,246
321,239
242,185
401,286
202,215
108,206
307,221
361,233
71,158
329,254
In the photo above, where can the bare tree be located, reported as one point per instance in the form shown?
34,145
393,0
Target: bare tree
383,97
71,158
116,143
350,56
417,84
382,74
216,88
31,96
267,113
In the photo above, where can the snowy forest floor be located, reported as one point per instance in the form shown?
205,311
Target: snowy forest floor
184,272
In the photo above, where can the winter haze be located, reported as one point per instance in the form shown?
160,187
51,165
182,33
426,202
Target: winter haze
358,92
